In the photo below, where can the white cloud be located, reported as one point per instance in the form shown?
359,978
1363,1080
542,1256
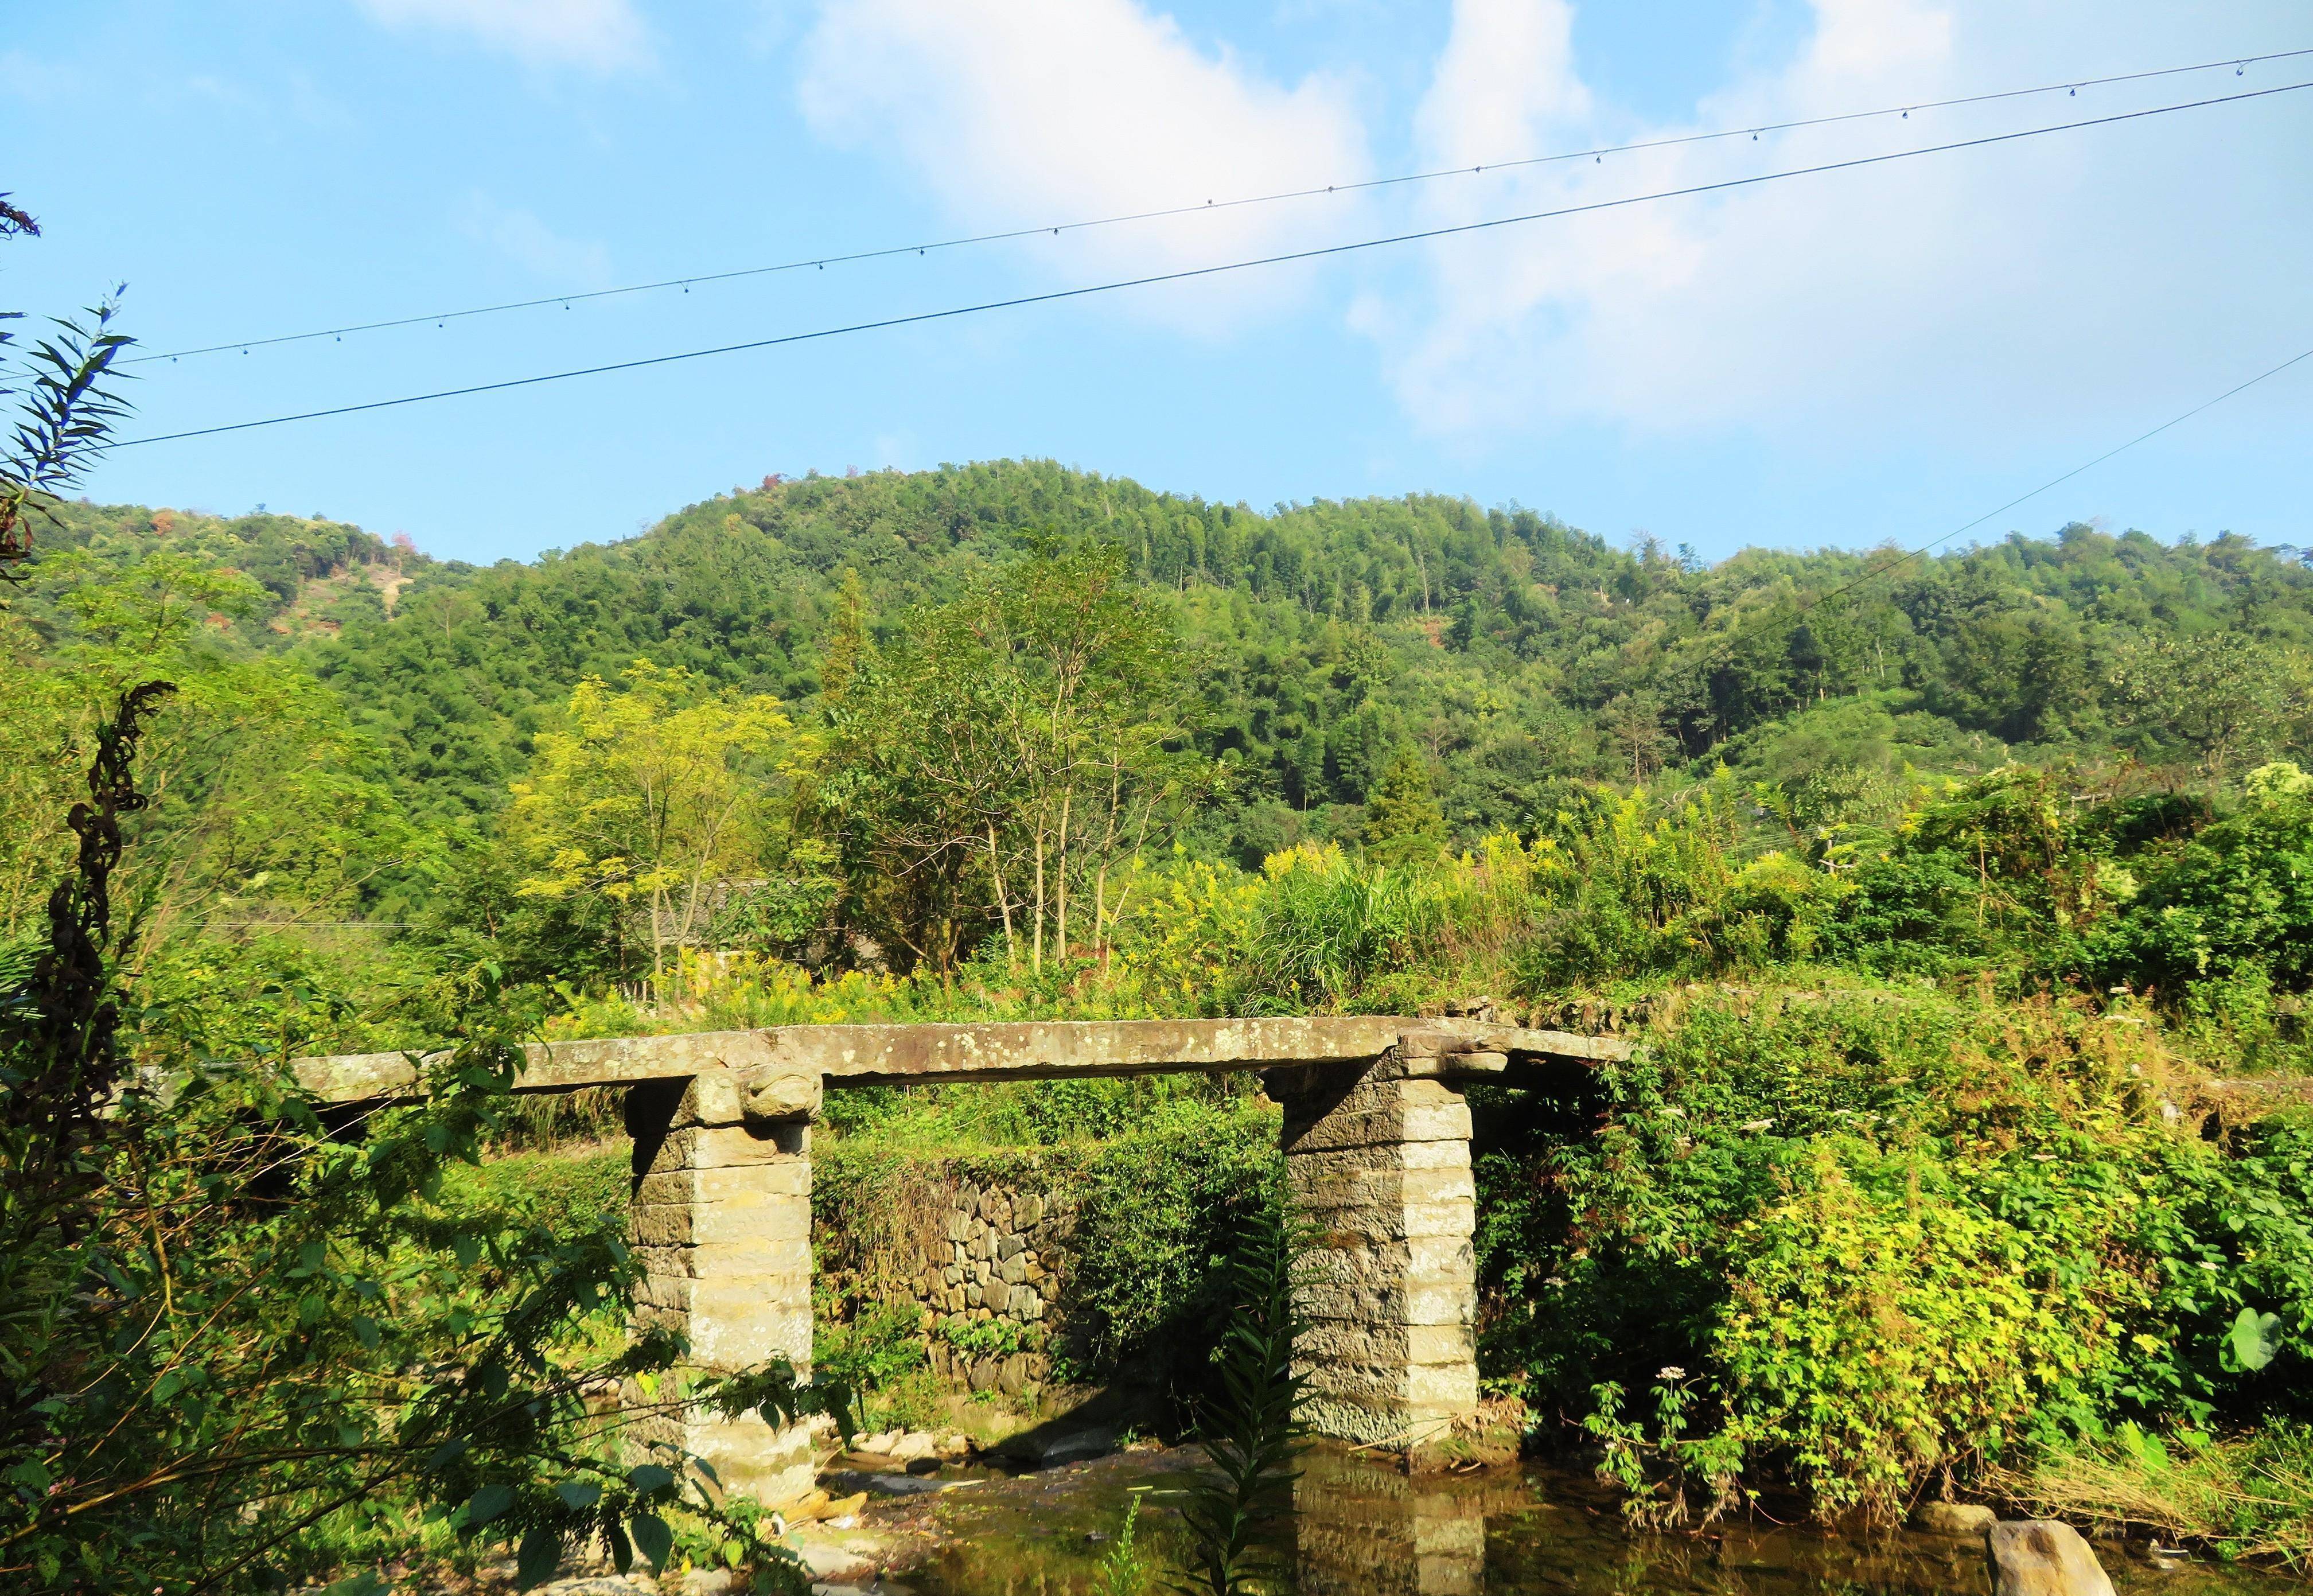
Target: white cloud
2098,277
567,263
1505,83
1021,112
598,35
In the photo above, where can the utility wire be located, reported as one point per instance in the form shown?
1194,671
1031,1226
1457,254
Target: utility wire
2239,63
1191,273
1801,609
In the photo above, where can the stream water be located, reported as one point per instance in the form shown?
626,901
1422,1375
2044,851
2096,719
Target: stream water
1362,1528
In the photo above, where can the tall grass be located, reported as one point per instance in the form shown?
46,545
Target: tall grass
2248,1495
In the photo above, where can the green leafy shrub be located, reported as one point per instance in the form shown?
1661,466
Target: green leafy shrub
1163,1205
1891,1231
2239,895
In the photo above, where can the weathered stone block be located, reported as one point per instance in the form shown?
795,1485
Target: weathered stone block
769,1256
789,1178
736,1219
711,1147
731,1335
1356,1341
1382,1191
772,1094
1409,1122
750,1457
1961,1519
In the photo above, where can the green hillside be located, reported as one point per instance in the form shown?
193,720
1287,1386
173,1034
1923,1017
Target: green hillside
1511,651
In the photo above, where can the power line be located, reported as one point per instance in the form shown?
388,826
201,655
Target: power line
2071,86
1905,558
1725,645
1191,273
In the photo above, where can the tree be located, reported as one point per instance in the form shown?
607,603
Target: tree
995,759
226,1329
1633,726
265,804
1090,669
2222,694
1402,821
663,793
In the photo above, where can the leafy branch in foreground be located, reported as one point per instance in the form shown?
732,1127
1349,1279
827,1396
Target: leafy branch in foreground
66,410
1240,1501
241,1343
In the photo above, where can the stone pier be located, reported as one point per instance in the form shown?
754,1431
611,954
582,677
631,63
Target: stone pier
1377,1165
721,1220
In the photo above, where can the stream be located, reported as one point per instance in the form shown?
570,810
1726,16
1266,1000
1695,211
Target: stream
1363,1528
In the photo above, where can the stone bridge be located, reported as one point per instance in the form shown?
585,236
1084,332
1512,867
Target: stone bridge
1376,1140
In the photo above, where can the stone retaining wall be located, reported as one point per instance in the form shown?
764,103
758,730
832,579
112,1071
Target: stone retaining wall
984,1262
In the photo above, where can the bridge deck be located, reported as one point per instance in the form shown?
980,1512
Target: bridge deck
900,1055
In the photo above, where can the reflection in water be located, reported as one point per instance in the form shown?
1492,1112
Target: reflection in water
1364,1530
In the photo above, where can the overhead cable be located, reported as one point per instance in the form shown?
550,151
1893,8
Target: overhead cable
2058,482
439,318
1191,273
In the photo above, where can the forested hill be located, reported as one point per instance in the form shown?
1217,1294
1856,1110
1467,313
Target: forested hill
1511,651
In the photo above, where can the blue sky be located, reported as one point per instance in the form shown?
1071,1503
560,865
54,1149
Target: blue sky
1875,354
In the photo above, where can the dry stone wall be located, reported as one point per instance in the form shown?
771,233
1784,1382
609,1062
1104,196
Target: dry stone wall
986,1262
993,1279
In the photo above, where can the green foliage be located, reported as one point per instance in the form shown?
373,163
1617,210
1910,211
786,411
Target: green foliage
875,1346
1126,1569
1892,1232
1163,1208
1327,925
1048,744
1402,820
268,805
65,407
1320,633
232,1339
1656,1471
2238,896
1002,752
659,798
990,1337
